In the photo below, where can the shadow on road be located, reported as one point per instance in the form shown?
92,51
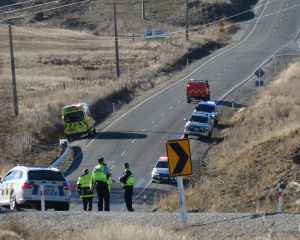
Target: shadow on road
229,104
122,135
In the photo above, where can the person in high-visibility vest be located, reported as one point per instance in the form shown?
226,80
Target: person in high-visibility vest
127,180
100,174
84,189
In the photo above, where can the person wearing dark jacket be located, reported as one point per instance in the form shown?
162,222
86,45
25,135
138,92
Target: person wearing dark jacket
84,189
127,180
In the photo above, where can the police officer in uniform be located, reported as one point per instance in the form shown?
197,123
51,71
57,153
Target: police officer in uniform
127,180
100,174
84,189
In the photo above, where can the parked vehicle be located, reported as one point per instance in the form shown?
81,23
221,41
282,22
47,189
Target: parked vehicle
208,107
20,188
198,90
77,120
199,124
160,171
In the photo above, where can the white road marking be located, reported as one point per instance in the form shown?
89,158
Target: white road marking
162,114
171,107
144,130
213,78
224,70
182,137
153,122
133,140
179,101
123,153
112,166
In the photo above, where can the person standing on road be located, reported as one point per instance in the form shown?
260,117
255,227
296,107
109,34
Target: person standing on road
127,180
84,189
100,175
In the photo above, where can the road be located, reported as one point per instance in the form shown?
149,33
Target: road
138,137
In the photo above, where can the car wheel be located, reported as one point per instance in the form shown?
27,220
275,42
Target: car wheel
94,132
186,136
89,133
188,100
63,207
153,181
13,202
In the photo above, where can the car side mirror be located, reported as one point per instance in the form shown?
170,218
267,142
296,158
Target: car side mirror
194,107
185,119
152,166
211,123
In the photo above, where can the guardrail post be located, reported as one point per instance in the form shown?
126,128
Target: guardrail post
42,200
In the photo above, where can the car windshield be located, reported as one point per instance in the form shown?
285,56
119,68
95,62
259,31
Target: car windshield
45,175
199,119
162,164
205,108
73,117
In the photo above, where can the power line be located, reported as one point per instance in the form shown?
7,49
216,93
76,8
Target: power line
18,10
17,4
138,38
174,35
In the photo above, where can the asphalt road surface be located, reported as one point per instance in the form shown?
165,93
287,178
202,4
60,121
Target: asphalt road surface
139,136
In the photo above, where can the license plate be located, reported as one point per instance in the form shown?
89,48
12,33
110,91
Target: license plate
196,129
49,188
164,178
50,193
71,131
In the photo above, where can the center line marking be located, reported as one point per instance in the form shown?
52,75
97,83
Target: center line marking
210,79
162,114
151,126
230,64
133,140
220,72
144,130
183,100
131,147
123,153
152,122
169,110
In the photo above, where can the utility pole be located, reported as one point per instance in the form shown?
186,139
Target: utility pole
143,9
14,83
116,42
187,20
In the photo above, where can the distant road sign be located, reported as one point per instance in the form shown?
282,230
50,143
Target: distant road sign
179,157
222,30
222,24
259,73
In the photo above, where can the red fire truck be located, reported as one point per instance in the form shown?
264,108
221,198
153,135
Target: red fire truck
197,90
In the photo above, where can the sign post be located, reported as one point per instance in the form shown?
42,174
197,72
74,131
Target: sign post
179,161
42,201
222,30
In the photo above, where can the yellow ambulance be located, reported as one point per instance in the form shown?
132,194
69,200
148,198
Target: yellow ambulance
77,120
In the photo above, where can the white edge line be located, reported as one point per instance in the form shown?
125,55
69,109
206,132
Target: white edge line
172,85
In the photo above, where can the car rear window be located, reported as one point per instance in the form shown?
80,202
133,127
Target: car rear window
162,164
199,119
205,108
73,117
45,175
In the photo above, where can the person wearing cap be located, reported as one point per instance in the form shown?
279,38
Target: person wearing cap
100,175
84,189
127,180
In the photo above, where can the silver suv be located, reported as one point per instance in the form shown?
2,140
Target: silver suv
20,188
199,124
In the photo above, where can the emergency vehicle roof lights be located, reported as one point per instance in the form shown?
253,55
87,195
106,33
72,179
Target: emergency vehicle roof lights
78,105
211,102
163,158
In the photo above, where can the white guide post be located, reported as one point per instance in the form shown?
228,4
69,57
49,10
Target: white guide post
280,199
144,203
232,102
182,202
42,201
113,107
275,66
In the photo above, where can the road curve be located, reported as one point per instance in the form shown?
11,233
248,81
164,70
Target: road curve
139,136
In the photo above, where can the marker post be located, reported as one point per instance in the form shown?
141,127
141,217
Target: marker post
144,203
42,201
280,200
275,66
182,202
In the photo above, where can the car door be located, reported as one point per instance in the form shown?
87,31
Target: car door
3,187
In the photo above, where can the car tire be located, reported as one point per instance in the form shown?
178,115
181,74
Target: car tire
13,202
188,100
153,181
89,133
94,132
186,136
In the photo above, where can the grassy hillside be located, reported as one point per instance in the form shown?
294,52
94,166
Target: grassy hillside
260,153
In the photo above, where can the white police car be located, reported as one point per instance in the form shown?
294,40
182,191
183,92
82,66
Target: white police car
160,171
20,188
208,107
199,124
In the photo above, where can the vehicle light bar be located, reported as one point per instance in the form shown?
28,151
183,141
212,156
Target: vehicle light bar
211,102
163,158
192,79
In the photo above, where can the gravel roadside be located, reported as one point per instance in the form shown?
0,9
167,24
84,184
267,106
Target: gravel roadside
208,225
